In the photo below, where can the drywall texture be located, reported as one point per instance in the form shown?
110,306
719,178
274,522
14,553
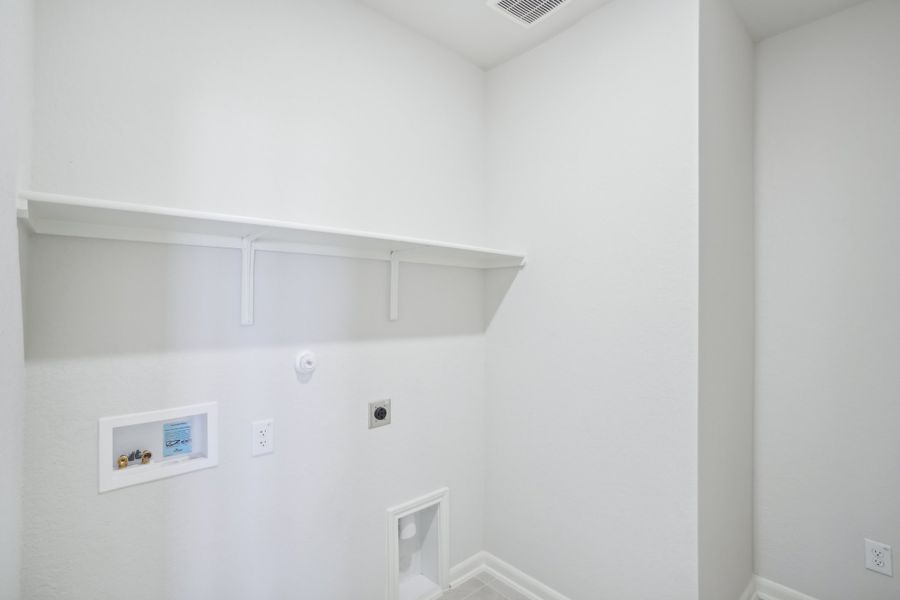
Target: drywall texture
829,287
315,111
308,519
15,96
727,295
298,110
592,357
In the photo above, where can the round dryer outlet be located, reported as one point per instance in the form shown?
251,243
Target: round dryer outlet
379,413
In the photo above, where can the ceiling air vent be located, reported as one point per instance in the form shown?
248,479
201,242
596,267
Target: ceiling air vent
527,12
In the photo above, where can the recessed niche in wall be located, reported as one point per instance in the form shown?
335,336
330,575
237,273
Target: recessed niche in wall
419,547
141,447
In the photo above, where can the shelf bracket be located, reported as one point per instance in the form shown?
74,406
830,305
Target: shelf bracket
395,286
248,267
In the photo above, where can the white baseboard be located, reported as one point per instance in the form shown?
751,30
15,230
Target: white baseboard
519,581
467,569
485,562
759,588
769,590
750,592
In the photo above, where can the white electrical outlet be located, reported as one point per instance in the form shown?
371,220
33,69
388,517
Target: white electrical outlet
263,437
879,558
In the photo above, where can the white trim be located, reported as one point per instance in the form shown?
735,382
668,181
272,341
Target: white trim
485,562
467,569
758,588
750,592
769,590
439,498
519,581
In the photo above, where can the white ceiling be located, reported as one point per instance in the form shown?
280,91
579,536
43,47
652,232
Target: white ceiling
487,38
478,32
765,18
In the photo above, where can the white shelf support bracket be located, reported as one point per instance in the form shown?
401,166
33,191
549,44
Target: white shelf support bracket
248,266
395,286
22,208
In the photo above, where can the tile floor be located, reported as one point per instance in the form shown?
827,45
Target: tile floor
483,587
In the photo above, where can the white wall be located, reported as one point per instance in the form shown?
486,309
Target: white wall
15,94
727,319
829,288
317,111
307,521
592,357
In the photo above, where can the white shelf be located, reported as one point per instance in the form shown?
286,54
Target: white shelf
56,214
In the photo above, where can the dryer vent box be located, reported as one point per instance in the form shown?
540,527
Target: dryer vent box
418,548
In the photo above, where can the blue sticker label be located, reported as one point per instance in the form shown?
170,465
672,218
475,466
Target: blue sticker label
177,438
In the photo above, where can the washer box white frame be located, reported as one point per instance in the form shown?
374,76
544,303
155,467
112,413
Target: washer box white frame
204,455
439,498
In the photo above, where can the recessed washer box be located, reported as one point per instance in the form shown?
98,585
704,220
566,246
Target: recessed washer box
180,440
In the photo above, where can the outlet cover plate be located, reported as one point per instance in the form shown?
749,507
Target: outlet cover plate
879,558
379,408
263,437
